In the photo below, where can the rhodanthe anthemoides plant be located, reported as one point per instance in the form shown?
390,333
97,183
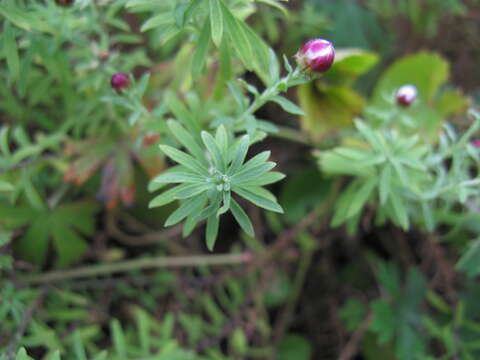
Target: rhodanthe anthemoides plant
215,167
209,175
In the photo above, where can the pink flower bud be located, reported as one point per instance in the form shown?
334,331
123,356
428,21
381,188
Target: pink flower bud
119,81
406,95
476,143
316,55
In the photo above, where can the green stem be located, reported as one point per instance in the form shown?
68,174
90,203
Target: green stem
292,135
137,264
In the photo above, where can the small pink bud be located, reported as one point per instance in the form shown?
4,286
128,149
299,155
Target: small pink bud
476,142
119,81
406,95
316,55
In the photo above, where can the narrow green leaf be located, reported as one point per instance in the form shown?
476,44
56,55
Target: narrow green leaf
226,203
187,140
187,208
254,162
214,150
242,218
385,184
212,208
192,190
361,196
265,179
162,19
253,173
240,155
287,105
178,175
184,159
216,21
6,186
212,231
181,113
260,201
11,50
238,37
399,210
200,55
55,356
22,355
119,342
221,138
167,196
78,347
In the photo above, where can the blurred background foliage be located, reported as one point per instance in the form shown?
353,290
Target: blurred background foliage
377,253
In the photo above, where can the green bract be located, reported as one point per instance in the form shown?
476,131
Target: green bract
208,176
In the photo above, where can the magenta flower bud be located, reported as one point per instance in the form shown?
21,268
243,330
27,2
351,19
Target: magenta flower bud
316,55
119,81
406,95
476,143
64,3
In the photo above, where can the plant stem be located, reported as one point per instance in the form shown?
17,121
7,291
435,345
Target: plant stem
292,135
129,265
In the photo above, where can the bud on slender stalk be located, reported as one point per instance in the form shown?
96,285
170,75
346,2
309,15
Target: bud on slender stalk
406,95
316,55
120,81
64,3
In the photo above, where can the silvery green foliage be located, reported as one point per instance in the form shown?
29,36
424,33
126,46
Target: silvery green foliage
208,175
404,177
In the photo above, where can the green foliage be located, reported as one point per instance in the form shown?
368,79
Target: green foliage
330,103
208,179
206,88
63,225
